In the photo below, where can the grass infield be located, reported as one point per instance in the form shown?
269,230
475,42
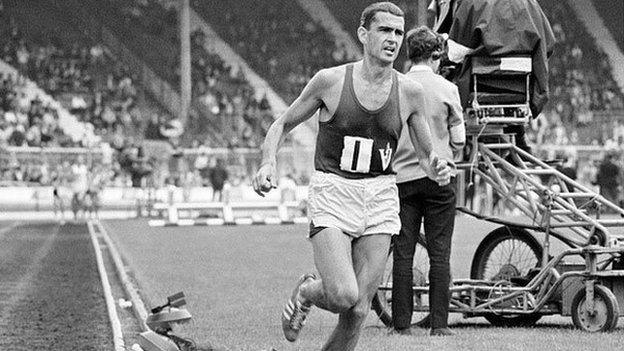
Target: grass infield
238,278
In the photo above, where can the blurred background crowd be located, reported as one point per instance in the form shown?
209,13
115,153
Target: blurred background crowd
82,82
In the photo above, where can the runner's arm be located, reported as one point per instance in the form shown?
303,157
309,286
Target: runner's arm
304,107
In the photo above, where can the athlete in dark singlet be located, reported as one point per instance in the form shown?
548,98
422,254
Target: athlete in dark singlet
347,144
353,200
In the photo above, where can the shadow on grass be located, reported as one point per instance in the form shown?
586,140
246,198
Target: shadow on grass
487,326
538,326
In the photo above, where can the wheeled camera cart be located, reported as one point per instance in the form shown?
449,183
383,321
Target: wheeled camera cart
514,279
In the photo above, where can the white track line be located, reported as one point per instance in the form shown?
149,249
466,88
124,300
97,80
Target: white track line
118,340
137,303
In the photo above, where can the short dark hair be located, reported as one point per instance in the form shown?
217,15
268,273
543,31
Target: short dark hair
423,43
371,10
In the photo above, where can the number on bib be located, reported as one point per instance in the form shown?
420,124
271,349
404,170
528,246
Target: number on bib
356,154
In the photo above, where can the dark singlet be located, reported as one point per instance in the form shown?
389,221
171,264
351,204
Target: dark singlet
359,143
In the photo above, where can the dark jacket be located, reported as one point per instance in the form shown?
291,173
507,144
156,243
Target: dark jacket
504,28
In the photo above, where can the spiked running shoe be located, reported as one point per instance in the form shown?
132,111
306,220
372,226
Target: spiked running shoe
295,312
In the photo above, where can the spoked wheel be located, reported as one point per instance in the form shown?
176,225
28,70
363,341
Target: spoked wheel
382,302
605,312
507,255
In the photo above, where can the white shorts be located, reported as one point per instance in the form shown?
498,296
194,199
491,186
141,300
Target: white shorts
355,206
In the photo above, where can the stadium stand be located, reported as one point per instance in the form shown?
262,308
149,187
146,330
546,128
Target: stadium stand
581,83
610,11
76,71
140,36
100,56
277,38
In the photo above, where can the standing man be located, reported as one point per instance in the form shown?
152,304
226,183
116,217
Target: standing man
608,177
353,199
422,198
218,177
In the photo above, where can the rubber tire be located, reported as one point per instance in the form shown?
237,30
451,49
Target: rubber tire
603,293
381,303
485,248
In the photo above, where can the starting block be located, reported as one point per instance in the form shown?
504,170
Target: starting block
230,213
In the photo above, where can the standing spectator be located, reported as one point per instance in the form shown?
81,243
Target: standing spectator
607,178
201,164
569,167
141,167
80,184
98,176
18,136
218,176
421,198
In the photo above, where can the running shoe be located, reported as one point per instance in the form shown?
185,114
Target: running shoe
295,312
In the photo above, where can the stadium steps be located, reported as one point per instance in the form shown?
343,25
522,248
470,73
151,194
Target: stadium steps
68,122
305,134
155,78
586,12
611,13
322,15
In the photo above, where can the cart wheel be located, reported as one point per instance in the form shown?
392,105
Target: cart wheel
507,254
606,310
382,301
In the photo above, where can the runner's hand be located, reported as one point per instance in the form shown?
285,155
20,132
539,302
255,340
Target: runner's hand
264,180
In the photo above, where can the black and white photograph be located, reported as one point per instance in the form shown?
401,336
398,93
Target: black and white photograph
300,175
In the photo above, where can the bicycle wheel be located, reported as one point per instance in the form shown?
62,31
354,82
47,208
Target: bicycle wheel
382,301
507,254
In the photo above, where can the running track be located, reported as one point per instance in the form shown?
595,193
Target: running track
50,292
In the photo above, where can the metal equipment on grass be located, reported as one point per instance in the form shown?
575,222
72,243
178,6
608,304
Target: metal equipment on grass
514,278
160,321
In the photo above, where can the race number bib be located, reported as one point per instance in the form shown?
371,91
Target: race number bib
356,154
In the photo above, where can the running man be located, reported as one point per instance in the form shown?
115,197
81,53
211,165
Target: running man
353,198
420,197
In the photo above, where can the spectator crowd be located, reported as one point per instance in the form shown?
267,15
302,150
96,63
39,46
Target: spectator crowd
581,85
278,40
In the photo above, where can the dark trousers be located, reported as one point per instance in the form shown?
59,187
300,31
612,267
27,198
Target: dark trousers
423,199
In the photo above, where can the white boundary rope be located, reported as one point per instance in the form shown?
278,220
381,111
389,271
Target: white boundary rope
118,340
131,291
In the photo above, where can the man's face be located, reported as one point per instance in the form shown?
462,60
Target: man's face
384,37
